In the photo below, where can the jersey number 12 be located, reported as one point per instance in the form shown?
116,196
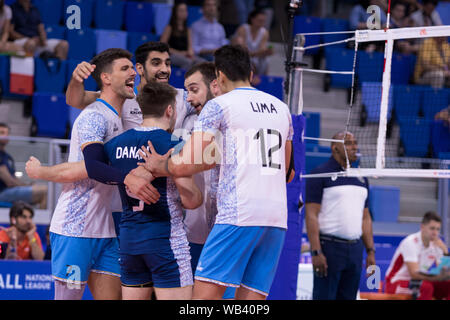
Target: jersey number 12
267,153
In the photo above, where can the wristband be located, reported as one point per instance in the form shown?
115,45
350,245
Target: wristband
369,250
315,253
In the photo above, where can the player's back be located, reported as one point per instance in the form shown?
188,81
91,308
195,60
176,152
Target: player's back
141,221
84,207
255,127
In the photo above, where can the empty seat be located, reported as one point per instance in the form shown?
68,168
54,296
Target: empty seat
339,59
55,31
138,16
135,39
369,66
415,136
371,99
86,11
108,14
402,68
82,44
407,100
161,15
335,25
303,24
434,100
50,113
50,16
50,75
89,83
312,127
272,85
384,203
440,138
107,39
194,13
177,77
312,161
4,74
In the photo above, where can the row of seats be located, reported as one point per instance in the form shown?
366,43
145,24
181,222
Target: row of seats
112,14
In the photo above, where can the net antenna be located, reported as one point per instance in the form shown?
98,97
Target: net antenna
382,165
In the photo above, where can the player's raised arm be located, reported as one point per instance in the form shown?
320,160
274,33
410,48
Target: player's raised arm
76,96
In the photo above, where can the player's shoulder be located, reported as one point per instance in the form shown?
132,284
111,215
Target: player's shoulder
411,240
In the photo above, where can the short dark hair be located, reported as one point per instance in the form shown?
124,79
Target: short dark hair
431,216
433,2
234,62
17,209
142,52
155,97
4,125
207,69
104,60
253,14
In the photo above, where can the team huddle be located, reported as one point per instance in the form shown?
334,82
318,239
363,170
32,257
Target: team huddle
166,191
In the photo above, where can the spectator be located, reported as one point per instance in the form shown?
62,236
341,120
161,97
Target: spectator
178,36
400,20
22,239
444,115
207,34
433,63
11,188
338,223
414,257
254,36
359,16
427,16
5,25
28,31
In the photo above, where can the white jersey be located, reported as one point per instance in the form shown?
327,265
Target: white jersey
254,127
84,207
199,222
132,114
411,249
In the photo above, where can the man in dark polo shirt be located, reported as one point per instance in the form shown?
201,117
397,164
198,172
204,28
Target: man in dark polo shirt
338,223
27,30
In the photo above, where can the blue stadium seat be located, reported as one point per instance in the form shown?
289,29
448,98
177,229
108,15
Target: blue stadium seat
50,16
407,101
107,39
108,14
194,13
135,39
303,24
440,138
86,10
384,203
312,127
371,99
402,68
55,31
313,160
4,204
272,85
339,59
138,16
310,147
50,75
4,73
177,78
82,44
89,83
162,13
443,8
434,100
334,25
51,114
369,66
415,135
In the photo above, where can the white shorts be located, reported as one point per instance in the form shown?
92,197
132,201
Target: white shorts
51,45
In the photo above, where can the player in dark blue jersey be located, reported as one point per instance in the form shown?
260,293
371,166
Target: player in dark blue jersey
154,251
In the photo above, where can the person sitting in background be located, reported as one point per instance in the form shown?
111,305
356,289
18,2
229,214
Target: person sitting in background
415,256
427,16
254,36
11,188
23,241
178,36
207,33
28,31
5,25
433,63
400,20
